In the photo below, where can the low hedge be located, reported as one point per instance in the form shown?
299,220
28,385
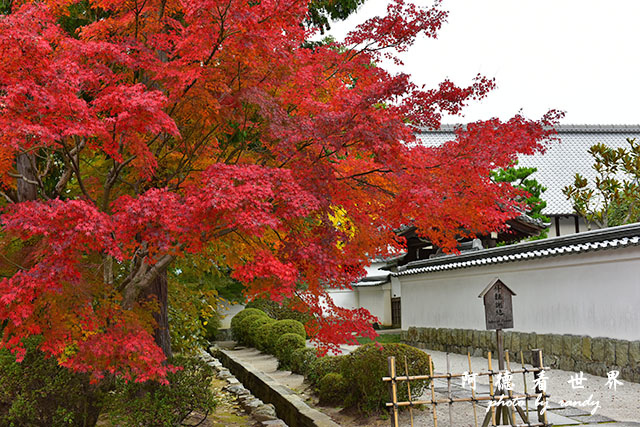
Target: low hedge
282,327
365,367
323,366
242,329
286,345
302,359
261,340
281,310
255,330
333,389
235,321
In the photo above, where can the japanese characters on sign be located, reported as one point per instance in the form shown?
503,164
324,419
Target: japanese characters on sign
498,308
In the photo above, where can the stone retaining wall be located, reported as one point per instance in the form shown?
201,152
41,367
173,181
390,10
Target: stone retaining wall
289,406
573,353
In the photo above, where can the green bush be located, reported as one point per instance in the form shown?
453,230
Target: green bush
323,366
241,315
286,345
282,327
301,360
255,330
281,311
365,367
333,389
151,404
242,330
39,392
262,337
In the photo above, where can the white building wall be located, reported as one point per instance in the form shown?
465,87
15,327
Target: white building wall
345,298
595,294
568,226
376,299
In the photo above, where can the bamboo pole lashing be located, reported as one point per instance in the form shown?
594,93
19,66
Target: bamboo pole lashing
445,376
449,389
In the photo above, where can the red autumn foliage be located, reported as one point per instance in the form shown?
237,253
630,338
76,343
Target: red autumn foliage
162,128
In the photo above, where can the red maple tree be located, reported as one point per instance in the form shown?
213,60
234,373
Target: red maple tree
136,132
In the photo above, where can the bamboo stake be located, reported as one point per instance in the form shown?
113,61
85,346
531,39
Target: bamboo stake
394,396
544,394
473,393
493,408
449,391
433,395
524,378
406,370
508,410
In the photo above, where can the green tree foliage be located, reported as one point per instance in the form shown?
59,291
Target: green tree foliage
322,11
520,177
612,198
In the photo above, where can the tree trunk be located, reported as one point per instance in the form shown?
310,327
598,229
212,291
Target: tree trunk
24,165
159,290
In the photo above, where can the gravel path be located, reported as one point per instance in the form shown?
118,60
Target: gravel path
621,405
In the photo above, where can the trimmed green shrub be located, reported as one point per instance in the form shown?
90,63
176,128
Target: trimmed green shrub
285,347
241,315
333,389
301,360
39,392
242,329
262,337
365,367
282,327
255,329
325,365
151,404
281,311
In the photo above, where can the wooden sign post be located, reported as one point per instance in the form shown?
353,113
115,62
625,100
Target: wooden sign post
498,313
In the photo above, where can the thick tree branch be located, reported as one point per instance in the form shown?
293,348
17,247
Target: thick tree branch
142,279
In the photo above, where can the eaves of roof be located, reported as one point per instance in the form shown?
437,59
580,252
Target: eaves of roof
376,280
608,238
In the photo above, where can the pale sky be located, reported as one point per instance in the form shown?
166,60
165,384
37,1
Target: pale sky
580,56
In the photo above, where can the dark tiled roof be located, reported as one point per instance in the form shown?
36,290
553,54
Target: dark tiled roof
559,164
608,238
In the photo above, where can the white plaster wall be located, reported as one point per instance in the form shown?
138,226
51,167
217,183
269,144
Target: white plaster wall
345,298
568,226
396,287
375,268
376,299
595,294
